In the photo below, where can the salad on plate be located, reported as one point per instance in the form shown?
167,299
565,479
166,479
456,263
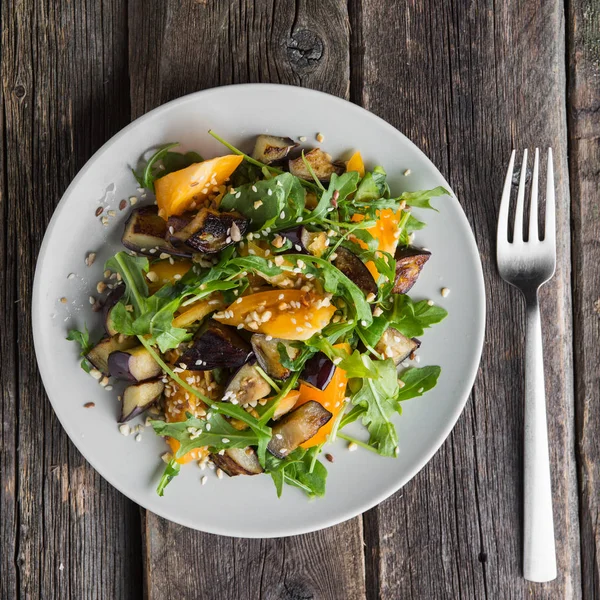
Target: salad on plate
260,305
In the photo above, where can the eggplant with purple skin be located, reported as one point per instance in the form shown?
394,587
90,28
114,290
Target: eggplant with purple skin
145,233
209,231
247,386
409,263
305,241
396,345
271,148
216,346
297,427
268,357
133,365
318,371
237,461
99,354
139,397
321,163
355,270
111,300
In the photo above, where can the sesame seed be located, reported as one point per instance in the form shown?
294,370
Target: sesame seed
445,291
283,451
337,360
99,211
302,138
219,473
108,388
96,374
89,405
352,446
430,302
125,429
100,287
396,451
91,299
90,258
104,221
320,137
225,440
64,300
407,172
363,323
132,200
299,220
207,426
138,437
203,480
112,213
377,312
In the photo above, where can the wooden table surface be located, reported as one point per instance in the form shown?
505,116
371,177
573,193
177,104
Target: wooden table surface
467,80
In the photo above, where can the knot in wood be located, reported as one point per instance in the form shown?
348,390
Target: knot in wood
296,590
19,91
304,50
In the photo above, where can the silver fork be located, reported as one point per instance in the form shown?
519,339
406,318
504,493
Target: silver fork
528,265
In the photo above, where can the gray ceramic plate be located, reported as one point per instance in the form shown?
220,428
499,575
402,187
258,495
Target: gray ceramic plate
248,506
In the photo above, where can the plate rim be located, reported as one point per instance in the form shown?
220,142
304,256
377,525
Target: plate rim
469,377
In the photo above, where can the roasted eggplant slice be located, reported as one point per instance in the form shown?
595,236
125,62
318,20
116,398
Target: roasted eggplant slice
297,427
355,270
409,263
396,345
271,148
318,371
134,365
111,300
99,354
247,386
267,355
139,397
145,233
321,163
209,231
238,461
216,346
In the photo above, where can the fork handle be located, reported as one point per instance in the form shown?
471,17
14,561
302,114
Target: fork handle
539,554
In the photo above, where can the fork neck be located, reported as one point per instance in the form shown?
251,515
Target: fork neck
531,297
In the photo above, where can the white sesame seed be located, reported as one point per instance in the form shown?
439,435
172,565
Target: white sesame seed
407,172
299,220
125,429
377,312
96,374
90,258
363,323
91,299
352,446
70,275
219,473
445,291
320,137
203,480
225,440
108,388
302,138
337,360
138,437
430,302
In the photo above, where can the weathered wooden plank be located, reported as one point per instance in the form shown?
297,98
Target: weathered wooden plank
8,383
196,45
467,81
583,37
67,534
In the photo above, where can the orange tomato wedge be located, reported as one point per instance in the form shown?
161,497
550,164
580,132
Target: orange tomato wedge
198,310
177,191
285,314
331,398
165,272
286,403
385,230
356,164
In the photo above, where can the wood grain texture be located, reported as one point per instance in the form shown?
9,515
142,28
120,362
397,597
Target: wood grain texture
468,81
188,46
583,35
65,532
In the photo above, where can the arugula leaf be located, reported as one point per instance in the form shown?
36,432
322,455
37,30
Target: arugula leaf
157,320
367,190
371,335
300,469
147,176
215,432
333,279
261,201
380,179
344,185
171,470
412,318
417,381
256,263
379,399
175,161
83,339
421,198
131,269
